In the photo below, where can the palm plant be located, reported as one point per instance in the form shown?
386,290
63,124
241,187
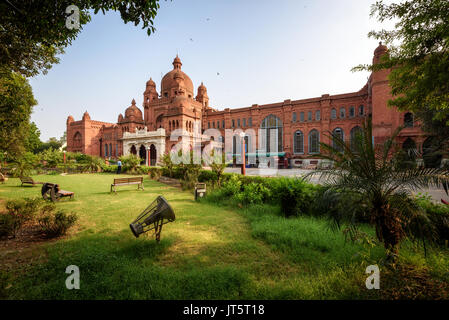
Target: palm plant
368,184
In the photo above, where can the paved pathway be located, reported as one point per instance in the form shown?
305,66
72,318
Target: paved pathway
437,194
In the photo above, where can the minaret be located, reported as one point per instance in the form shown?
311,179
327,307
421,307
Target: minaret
383,117
202,96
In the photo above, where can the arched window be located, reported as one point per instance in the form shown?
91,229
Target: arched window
273,133
110,149
159,122
77,140
105,150
333,114
294,117
342,113
337,134
408,120
314,141
309,116
356,133
301,117
351,112
361,110
298,142
317,115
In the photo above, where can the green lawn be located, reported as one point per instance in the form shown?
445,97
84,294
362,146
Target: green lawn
209,252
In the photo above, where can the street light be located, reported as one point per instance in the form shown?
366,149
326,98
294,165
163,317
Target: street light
243,172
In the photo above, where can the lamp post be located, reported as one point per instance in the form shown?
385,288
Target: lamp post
243,172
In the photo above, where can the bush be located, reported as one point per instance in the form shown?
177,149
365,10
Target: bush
253,193
143,169
55,224
18,213
109,168
9,225
438,215
155,172
130,163
232,186
207,176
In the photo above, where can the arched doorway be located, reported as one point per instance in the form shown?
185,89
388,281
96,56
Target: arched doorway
133,150
142,154
153,155
431,152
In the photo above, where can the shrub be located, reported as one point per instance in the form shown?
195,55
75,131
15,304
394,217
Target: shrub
155,172
167,165
109,168
55,224
143,169
130,163
438,215
253,193
52,157
207,176
232,186
9,225
18,212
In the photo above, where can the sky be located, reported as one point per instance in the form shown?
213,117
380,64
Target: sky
245,52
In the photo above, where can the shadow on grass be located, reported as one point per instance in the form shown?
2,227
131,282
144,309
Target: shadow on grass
118,266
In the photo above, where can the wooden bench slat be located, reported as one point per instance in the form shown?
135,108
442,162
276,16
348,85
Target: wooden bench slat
127,181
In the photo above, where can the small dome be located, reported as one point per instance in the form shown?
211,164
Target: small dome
381,49
202,89
70,119
120,118
151,83
133,113
86,116
177,63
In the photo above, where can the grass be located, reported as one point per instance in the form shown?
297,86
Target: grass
211,251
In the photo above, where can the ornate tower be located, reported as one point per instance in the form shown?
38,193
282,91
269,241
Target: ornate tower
202,96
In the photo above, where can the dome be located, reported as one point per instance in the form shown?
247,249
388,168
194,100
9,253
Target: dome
381,49
86,116
176,78
70,119
151,83
202,89
133,113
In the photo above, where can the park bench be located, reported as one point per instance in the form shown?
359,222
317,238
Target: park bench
29,180
127,181
52,191
3,179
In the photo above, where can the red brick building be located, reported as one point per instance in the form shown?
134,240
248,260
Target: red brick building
298,125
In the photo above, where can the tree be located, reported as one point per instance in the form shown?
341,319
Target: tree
366,185
16,102
34,32
218,166
33,142
418,55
